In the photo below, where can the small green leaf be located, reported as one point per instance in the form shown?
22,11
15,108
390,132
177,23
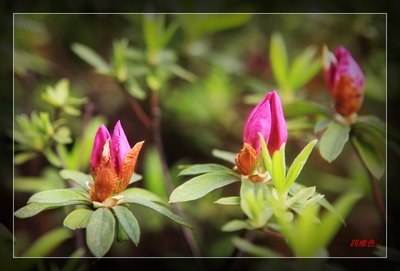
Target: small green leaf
181,72
265,154
252,249
141,193
297,108
298,164
128,222
77,177
33,209
279,169
78,219
52,157
321,125
91,57
23,157
370,155
158,208
204,168
100,232
235,200
48,242
200,186
301,195
59,196
279,59
135,89
333,141
235,225
224,155
135,178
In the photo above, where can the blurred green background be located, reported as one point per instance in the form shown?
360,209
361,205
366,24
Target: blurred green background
227,57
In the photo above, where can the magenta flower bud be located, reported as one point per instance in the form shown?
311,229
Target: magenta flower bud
344,79
266,118
100,139
113,162
119,146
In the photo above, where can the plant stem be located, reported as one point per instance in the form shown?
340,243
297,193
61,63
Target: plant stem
137,109
375,190
156,116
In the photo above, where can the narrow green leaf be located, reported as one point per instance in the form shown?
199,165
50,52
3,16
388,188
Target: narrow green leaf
279,169
235,225
204,168
23,157
369,154
100,232
235,200
279,59
181,72
78,219
265,154
200,186
302,195
33,209
333,141
59,196
141,193
298,164
153,173
304,68
52,157
48,242
76,176
91,57
224,155
135,178
158,208
135,89
128,222
252,249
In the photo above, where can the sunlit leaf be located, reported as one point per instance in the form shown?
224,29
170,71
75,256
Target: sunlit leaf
128,222
48,242
298,164
333,141
100,232
304,67
279,169
77,219
204,168
200,186
91,57
234,200
158,208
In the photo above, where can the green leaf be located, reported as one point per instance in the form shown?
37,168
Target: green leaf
200,186
158,208
76,176
299,107
121,234
78,219
135,89
52,157
333,141
153,173
265,154
279,169
59,196
369,154
33,209
304,68
204,168
224,155
180,72
91,57
141,193
248,247
48,242
235,200
128,222
23,157
298,164
321,125
100,232
235,225
279,59
135,178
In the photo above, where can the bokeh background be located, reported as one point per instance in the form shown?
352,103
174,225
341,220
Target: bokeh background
232,71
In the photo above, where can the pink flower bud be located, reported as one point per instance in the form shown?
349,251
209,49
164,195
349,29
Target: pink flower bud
113,162
266,118
344,79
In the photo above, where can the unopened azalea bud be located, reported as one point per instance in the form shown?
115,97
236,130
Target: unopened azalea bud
266,118
344,79
113,162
